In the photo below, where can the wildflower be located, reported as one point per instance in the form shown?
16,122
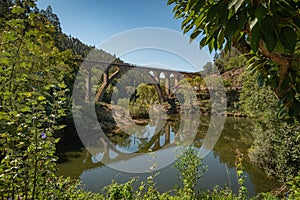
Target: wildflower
287,195
43,134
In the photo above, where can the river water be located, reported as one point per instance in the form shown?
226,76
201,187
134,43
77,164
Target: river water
77,162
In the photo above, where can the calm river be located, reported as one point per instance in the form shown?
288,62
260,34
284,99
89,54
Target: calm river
76,161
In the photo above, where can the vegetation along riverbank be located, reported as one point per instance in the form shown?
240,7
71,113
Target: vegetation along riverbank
258,56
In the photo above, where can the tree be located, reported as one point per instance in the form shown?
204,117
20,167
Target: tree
208,68
232,60
145,97
266,32
48,13
4,11
276,146
32,99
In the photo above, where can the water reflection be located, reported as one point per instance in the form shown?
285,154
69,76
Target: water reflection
221,161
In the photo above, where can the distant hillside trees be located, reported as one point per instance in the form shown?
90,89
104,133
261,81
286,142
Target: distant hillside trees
65,42
224,62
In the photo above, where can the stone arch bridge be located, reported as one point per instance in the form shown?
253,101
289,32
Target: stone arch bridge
153,73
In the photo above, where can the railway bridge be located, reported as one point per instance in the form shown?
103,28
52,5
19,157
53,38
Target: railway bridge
154,74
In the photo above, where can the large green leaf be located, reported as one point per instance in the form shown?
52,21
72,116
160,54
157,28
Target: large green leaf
297,21
223,17
194,35
221,37
268,32
236,4
260,12
242,19
288,38
255,37
232,3
211,45
192,4
203,42
273,5
17,9
186,21
199,5
187,28
212,12
231,27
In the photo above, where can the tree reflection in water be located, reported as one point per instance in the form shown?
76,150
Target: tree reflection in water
236,135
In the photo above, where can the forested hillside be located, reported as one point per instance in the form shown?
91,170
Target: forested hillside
62,41
65,42
38,67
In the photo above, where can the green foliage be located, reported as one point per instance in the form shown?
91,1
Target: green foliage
186,95
294,184
235,20
218,194
276,146
255,99
148,190
145,97
196,82
235,63
119,191
208,68
33,97
232,60
241,178
266,32
190,169
65,188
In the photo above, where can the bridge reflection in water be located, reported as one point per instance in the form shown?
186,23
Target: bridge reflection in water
115,150
130,146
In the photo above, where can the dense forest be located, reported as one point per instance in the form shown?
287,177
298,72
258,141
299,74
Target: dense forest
38,67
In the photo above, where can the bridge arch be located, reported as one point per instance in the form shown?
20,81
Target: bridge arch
153,73
108,79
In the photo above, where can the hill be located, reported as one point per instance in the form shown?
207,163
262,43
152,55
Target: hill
67,42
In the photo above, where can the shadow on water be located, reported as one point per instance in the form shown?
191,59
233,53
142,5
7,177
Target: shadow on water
75,161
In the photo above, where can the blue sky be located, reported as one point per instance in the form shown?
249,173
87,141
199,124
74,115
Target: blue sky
94,21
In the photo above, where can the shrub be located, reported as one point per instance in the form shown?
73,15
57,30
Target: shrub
276,147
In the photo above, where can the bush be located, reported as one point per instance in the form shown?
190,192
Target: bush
33,97
190,170
145,97
276,147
